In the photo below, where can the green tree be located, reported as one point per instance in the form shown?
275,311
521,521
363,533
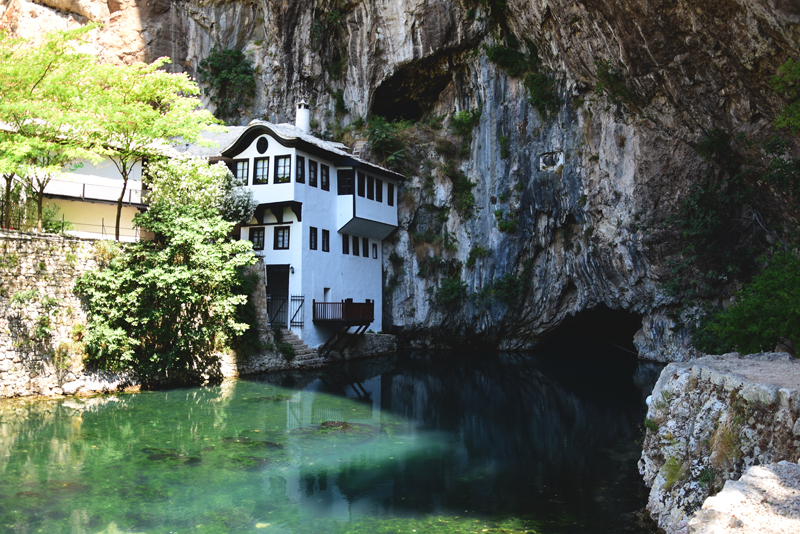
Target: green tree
162,308
134,109
765,312
787,84
41,90
188,180
230,79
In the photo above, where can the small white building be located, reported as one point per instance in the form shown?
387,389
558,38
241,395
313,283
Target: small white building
87,195
321,218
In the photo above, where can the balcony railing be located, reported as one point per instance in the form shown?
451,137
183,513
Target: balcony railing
344,312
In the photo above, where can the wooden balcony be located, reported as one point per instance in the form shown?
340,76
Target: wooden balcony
345,312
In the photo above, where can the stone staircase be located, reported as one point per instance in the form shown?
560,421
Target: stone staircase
304,357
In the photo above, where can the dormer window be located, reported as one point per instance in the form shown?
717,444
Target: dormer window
261,171
283,169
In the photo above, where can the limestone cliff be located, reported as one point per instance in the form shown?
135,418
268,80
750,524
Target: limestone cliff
576,233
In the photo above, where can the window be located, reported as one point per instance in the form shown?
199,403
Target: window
312,238
378,190
300,171
281,241
370,188
345,244
374,251
312,173
241,171
344,180
257,238
324,177
355,246
361,182
390,194
261,171
365,247
283,170
326,241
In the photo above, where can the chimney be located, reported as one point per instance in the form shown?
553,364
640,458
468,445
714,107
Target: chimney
303,117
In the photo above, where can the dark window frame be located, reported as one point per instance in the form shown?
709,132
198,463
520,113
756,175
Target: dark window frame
280,231
300,169
365,247
344,181
241,180
361,184
326,241
265,161
390,193
374,251
355,246
312,238
312,173
286,163
324,177
258,243
370,188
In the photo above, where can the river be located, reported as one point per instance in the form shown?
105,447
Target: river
421,442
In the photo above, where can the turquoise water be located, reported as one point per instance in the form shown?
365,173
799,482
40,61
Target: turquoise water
487,443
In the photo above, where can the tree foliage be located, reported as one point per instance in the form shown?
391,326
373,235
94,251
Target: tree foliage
188,180
765,312
230,80
787,84
163,307
61,105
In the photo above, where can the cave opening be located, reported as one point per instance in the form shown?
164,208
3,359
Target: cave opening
412,91
598,343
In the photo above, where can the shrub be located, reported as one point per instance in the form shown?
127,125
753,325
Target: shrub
787,83
474,254
230,80
612,83
464,121
764,312
512,61
451,291
164,307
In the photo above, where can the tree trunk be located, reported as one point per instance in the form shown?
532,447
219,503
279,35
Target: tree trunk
9,178
39,208
124,171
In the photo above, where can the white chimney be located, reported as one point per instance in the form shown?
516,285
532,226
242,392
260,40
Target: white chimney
303,117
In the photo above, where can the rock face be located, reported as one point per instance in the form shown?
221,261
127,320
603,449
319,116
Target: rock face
711,420
582,233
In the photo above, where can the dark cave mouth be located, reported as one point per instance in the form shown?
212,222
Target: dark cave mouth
599,331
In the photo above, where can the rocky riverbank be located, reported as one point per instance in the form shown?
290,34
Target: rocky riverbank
708,422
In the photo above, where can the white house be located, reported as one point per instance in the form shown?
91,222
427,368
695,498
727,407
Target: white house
322,215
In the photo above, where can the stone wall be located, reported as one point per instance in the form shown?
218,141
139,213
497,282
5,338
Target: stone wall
41,318
712,419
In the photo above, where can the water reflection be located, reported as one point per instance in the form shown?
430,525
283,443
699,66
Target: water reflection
524,437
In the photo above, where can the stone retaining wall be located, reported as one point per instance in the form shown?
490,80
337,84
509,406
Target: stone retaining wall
709,421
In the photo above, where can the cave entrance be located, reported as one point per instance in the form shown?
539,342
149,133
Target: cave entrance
600,333
593,352
414,89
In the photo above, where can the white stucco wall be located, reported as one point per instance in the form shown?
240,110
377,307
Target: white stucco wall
96,220
345,275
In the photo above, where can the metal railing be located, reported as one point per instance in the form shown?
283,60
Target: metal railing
345,311
297,310
277,309
95,192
